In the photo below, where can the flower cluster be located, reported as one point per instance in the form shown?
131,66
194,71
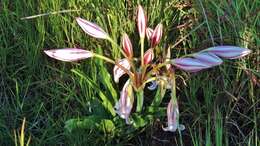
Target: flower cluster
142,70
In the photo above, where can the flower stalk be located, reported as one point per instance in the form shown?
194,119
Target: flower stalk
140,100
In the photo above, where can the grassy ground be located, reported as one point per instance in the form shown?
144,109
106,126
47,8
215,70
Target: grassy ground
218,107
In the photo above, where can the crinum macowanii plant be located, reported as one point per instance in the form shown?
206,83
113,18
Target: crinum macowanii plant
161,73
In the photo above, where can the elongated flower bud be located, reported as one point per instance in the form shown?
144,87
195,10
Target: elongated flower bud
157,35
118,72
92,29
125,104
69,54
149,33
148,56
229,52
189,64
141,21
208,58
127,46
173,117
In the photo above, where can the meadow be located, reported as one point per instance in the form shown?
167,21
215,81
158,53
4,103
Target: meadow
60,101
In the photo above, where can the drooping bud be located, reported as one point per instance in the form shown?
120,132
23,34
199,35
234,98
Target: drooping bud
157,35
141,21
148,56
229,52
127,46
208,58
149,33
118,71
92,29
69,54
125,104
173,117
190,64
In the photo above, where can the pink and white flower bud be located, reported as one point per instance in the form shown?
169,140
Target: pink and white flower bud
69,54
127,46
148,56
229,52
190,64
173,117
141,21
208,58
149,33
125,104
157,35
92,29
118,72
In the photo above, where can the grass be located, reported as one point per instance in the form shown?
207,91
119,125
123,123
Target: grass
218,107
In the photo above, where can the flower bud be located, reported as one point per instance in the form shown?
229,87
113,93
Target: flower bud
141,21
91,28
173,117
229,52
118,72
148,56
208,58
157,35
127,46
125,104
190,64
149,33
69,54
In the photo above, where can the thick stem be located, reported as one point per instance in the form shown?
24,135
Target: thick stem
140,100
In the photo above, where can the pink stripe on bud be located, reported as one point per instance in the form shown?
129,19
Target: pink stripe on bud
91,28
190,64
157,35
69,54
173,117
208,58
141,21
149,33
229,52
148,56
118,72
125,104
127,46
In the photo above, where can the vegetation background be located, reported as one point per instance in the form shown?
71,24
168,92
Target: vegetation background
219,106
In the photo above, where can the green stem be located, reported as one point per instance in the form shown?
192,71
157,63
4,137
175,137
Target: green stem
104,58
142,52
174,98
140,100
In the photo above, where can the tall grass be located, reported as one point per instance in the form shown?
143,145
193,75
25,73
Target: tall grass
219,106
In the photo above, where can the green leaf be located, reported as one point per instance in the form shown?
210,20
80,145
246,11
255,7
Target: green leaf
105,101
82,123
107,126
138,121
